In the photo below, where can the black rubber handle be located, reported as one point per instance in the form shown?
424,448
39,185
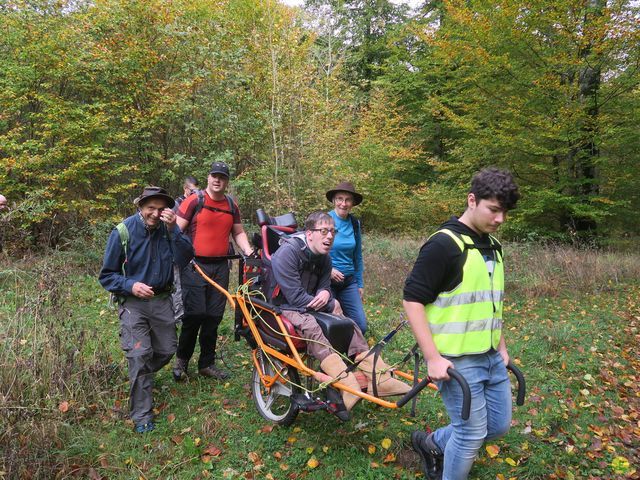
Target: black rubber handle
417,388
466,392
522,386
263,304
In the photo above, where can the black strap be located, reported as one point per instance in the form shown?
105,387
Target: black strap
355,223
217,259
215,209
200,205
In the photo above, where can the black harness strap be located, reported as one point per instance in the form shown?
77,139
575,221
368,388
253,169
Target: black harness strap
375,350
215,209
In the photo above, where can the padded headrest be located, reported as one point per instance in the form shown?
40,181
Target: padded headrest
274,235
286,220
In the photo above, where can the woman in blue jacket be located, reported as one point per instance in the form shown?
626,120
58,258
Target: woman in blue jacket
346,255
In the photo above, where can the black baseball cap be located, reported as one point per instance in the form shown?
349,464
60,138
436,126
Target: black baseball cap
219,167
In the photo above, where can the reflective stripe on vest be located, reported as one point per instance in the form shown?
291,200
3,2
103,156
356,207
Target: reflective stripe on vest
468,319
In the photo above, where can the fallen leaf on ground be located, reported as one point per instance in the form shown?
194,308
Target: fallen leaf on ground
391,457
493,450
212,450
253,457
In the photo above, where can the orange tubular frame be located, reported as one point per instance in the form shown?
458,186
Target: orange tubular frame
293,360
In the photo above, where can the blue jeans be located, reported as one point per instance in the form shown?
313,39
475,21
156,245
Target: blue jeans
347,294
490,415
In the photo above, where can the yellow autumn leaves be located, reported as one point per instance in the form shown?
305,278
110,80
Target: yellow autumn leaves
494,450
385,444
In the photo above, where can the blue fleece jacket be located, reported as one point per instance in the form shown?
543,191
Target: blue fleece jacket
150,256
346,253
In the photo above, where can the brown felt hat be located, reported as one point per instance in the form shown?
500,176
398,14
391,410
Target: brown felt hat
345,187
154,192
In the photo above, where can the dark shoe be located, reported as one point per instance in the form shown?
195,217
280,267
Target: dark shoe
180,369
145,427
213,372
431,456
335,405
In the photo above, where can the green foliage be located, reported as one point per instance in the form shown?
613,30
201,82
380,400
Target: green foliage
101,98
538,90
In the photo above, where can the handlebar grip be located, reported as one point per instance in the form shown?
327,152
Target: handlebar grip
522,386
466,392
413,392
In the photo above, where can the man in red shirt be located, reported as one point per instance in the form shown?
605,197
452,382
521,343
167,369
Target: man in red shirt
208,217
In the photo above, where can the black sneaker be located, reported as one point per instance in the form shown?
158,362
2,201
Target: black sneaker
145,427
431,456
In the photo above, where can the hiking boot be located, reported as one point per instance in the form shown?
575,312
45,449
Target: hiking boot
213,372
430,454
145,427
180,369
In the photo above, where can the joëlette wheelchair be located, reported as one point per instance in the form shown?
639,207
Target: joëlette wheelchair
284,376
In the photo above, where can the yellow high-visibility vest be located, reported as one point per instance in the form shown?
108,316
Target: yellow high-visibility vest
468,319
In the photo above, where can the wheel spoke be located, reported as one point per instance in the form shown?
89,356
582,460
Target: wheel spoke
274,403
269,402
282,389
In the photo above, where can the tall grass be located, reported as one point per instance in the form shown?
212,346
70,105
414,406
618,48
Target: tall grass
531,269
54,365
59,344
550,270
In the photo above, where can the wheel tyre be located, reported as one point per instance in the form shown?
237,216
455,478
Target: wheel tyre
276,405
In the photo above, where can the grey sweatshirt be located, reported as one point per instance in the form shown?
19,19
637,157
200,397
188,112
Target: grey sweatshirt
301,274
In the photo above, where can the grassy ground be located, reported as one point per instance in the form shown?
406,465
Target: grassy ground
572,327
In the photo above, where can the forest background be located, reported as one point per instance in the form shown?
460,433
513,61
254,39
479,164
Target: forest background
98,98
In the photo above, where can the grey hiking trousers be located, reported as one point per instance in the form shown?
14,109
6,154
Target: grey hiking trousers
148,338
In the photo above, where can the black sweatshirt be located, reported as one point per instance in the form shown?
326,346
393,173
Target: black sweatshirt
438,267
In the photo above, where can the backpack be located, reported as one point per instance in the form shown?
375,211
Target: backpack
123,233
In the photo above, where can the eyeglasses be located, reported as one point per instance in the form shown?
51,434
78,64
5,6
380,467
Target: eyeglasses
325,231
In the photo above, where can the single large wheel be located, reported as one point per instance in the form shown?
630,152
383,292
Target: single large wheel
275,403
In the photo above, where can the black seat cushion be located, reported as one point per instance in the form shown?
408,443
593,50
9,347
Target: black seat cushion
338,330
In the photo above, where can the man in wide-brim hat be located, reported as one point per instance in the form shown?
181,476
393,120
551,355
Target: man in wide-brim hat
138,271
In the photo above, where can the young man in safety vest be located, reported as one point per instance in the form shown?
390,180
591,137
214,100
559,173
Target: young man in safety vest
453,300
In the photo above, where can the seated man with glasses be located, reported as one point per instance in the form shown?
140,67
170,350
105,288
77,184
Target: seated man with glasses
302,269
